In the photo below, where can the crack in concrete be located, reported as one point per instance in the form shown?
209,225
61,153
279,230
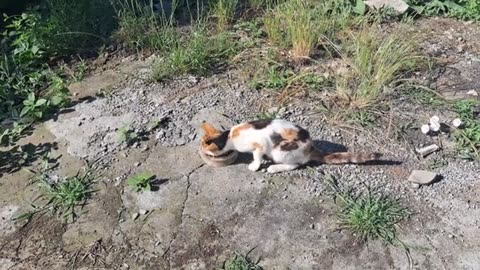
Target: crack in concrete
182,213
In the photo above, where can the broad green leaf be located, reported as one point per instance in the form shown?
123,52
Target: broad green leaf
40,102
24,111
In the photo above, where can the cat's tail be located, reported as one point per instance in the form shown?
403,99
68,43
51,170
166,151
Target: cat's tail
343,157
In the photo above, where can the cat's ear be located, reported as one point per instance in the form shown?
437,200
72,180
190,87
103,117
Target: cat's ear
210,130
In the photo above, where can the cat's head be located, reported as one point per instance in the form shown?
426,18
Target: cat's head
214,141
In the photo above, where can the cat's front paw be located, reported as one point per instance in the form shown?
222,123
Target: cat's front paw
254,166
272,169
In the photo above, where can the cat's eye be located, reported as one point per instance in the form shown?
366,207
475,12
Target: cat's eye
208,141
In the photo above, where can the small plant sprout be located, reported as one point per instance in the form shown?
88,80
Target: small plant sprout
127,135
141,182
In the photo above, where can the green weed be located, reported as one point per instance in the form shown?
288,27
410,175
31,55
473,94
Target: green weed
424,96
462,9
29,89
141,182
127,135
370,216
62,196
468,137
241,262
363,118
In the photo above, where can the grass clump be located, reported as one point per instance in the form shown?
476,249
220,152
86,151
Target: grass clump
291,25
141,182
376,60
241,262
468,137
370,216
197,54
62,196
127,135
78,26
224,11
140,27
298,25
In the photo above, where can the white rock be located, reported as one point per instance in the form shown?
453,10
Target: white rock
422,177
425,129
434,120
143,212
135,216
472,93
398,5
435,126
457,122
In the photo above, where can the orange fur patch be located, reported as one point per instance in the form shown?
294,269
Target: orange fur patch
258,147
210,130
290,134
237,130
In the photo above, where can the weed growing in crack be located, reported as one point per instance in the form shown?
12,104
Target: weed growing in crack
468,138
141,182
62,196
241,262
370,216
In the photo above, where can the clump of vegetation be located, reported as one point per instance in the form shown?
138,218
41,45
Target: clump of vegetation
300,24
77,26
291,24
141,28
468,137
241,262
29,89
370,216
195,54
375,61
141,182
62,196
462,9
224,11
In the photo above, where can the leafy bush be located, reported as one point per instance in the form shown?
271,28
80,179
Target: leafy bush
462,9
29,89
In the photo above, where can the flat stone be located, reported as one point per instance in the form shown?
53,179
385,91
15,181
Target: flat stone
422,177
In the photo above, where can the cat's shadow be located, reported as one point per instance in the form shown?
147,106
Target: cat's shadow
323,146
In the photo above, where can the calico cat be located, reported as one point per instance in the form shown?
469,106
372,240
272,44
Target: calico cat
286,144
